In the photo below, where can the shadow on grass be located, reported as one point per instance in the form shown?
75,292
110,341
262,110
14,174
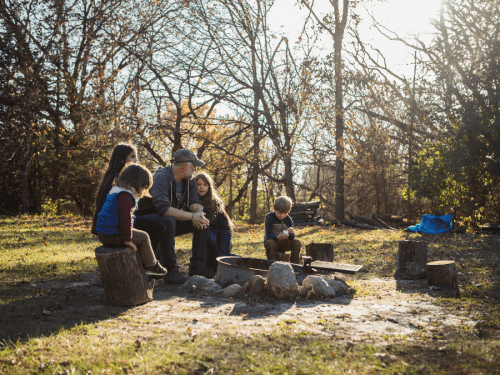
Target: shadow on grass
44,308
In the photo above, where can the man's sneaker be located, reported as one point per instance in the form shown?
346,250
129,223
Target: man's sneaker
201,271
156,271
174,277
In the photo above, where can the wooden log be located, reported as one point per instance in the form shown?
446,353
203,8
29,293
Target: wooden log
320,251
460,229
491,228
122,276
281,257
393,219
443,274
360,226
364,220
382,222
412,260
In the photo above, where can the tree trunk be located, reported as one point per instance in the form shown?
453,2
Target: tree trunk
320,251
229,207
26,165
412,260
340,24
177,131
442,273
287,159
122,276
255,168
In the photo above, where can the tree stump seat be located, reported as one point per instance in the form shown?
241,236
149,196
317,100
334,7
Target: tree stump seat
123,279
443,274
412,260
281,257
320,251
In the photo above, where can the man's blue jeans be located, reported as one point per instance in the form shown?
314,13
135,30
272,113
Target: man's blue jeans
176,228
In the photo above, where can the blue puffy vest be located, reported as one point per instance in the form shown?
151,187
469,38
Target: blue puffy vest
108,220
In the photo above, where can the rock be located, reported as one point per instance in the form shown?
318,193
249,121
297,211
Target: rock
340,286
256,285
385,357
281,281
201,283
231,290
319,286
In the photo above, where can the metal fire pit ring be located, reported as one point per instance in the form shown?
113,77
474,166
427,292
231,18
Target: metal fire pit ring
238,270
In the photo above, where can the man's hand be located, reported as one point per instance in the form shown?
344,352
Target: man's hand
199,221
196,207
291,231
131,245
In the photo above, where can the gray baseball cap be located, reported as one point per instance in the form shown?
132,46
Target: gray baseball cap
186,156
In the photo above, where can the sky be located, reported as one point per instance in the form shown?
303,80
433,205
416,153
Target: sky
403,16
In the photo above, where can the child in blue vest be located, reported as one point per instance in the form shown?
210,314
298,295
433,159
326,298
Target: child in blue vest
115,220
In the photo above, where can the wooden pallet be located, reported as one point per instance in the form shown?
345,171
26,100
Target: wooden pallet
304,213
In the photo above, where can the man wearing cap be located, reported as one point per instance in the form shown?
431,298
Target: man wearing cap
174,201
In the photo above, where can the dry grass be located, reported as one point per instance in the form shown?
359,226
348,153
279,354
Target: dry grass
48,324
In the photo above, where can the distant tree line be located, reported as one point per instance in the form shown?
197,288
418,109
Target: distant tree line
268,116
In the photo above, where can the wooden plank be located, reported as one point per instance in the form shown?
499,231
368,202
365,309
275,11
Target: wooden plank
336,267
307,212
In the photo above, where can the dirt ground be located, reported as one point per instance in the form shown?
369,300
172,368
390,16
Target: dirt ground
380,311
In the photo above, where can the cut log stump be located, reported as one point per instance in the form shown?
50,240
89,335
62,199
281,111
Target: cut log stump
122,276
412,260
281,257
443,274
320,251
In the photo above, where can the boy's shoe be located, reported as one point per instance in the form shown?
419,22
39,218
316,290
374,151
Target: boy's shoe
201,271
174,277
156,271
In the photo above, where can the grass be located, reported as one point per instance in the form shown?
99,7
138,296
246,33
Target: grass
46,260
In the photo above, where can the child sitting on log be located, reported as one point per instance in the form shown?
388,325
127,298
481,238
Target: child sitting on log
115,220
279,234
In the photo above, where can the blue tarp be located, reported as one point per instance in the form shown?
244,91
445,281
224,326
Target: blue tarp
433,224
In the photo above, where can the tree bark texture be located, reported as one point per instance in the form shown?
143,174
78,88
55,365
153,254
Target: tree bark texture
122,276
443,274
412,260
320,251
281,257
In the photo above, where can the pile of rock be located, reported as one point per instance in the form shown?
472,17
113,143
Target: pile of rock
280,283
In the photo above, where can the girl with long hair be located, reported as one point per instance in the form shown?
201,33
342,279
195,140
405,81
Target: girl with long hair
126,153
122,154
221,226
